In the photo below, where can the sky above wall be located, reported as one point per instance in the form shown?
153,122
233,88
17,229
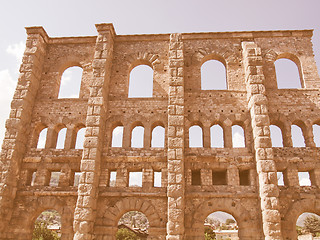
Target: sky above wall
77,18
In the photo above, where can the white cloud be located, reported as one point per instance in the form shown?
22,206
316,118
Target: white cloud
6,92
17,50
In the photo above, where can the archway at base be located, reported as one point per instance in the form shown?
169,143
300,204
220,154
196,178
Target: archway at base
220,225
47,226
133,225
308,225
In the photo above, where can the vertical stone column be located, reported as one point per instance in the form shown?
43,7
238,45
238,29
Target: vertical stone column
258,106
176,181
96,116
18,124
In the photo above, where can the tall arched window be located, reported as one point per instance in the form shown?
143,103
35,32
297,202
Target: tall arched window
276,136
141,82
70,83
117,136
297,136
316,134
42,138
61,138
216,136
213,75
80,138
238,139
287,74
137,137
195,136
157,139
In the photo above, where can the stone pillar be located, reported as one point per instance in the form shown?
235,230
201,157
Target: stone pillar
176,180
266,169
18,124
85,211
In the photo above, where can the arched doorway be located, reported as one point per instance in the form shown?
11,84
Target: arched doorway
47,226
133,225
220,225
308,226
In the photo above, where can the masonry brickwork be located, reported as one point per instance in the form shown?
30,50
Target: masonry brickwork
178,208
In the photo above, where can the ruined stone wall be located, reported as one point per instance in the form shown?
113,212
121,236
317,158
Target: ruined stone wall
178,208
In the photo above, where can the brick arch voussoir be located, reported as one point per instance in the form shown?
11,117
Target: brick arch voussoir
291,215
50,203
113,214
240,213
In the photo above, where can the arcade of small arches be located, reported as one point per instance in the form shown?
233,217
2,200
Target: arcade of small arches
221,135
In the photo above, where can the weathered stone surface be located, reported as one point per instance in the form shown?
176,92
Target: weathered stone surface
190,189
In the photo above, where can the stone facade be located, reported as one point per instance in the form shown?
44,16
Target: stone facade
178,208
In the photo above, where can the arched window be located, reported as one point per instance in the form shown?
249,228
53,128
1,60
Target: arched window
61,138
42,138
195,136
48,225
137,137
141,82
157,139
80,138
287,74
316,134
238,139
134,220
276,136
70,83
297,136
117,136
213,75
216,136
220,221
308,223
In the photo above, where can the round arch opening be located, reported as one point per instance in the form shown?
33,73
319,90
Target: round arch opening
220,225
308,226
47,226
133,225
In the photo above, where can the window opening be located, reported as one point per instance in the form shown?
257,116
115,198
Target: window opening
135,179
316,134
238,140
112,178
297,136
117,136
219,177
304,179
213,75
195,137
308,224
42,139
76,179
280,177
70,83
61,138
133,225
287,74
216,135
276,136
137,137
244,176
80,138
141,82
196,177
157,175
54,179
157,139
